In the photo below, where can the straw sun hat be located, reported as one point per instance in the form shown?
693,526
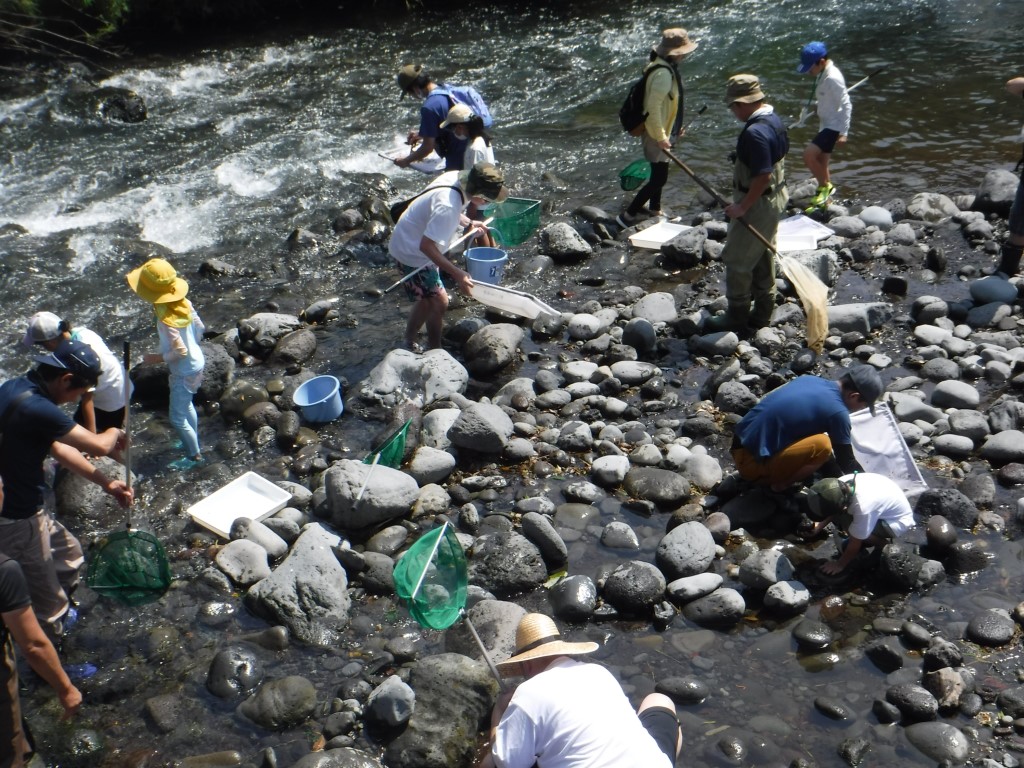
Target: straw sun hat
537,637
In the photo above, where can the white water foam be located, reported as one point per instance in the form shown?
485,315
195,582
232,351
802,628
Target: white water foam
174,219
238,175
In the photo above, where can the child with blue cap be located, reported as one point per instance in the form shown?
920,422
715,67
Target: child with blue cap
834,112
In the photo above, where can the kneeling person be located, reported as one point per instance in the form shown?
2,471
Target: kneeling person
871,508
568,712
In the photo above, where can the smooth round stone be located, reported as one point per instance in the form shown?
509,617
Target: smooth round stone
954,446
619,535
941,742
833,708
584,327
991,628
993,289
955,394
683,690
812,635
574,598
940,369
1004,446
940,533
914,702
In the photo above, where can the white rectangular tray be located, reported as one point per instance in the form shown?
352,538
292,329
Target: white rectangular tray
250,495
512,301
657,235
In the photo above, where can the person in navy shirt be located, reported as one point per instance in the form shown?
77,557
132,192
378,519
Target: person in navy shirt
415,81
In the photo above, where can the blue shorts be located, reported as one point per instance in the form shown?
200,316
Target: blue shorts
424,284
1017,212
663,726
826,140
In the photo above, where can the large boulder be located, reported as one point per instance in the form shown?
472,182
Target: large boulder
563,243
403,375
686,550
492,348
481,427
996,192
307,592
388,494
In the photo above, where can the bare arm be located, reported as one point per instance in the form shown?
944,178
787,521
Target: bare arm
1015,86
42,657
72,459
81,439
838,566
88,412
426,146
432,252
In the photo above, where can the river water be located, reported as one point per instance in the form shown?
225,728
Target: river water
247,141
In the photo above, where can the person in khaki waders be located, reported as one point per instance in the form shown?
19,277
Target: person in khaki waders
759,196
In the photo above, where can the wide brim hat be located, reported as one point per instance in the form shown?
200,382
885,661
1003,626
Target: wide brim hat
745,89
675,42
484,180
407,77
157,282
537,637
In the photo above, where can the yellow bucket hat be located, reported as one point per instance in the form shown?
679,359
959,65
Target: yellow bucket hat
157,282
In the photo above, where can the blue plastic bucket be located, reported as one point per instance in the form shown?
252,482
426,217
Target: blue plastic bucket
319,398
486,265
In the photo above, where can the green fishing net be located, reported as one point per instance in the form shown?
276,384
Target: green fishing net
431,578
392,450
131,567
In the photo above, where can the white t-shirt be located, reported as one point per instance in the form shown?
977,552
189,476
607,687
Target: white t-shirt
876,497
573,715
435,215
109,392
478,151
834,106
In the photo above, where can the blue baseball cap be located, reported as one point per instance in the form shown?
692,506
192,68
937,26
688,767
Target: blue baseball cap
74,356
811,55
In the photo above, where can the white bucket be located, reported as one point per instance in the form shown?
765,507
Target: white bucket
486,265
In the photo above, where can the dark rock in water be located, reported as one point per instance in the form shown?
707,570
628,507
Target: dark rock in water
683,690
833,708
293,349
120,104
941,742
238,396
507,564
901,566
967,557
1011,701
950,503
970,704
563,243
377,576
281,704
895,285
913,701
573,598
853,750
1011,474
936,259
886,653
634,587
453,696
914,635
942,653
885,712
812,635
218,372
166,711
991,629
234,671
723,607
804,360
941,534
539,530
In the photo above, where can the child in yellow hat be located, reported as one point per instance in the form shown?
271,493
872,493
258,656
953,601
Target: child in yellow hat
180,329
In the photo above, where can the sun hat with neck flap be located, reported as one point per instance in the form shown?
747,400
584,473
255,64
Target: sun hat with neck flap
157,282
674,42
537,637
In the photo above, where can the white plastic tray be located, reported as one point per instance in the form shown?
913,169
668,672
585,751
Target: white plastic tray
656,236
512,301
250,495
431,164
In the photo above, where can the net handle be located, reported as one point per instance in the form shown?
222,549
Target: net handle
127,352
426,566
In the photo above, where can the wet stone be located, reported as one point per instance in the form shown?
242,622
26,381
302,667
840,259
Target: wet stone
833,709
812,635
683,690
914,702
941,742
574,598
886,653
991,628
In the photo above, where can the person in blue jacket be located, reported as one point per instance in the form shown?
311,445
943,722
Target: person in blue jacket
415,81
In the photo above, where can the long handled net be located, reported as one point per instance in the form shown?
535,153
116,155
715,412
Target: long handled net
129,566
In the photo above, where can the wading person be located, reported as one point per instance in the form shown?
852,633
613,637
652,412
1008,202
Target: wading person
572,713
34,426
422,236
180,330
1009,262
800,427
759,196
663,105
834,111
870,508
415,81
99,410
19,627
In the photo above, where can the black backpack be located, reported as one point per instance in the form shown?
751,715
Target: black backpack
631,113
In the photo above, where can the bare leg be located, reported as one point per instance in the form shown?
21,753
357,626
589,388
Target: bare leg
817,163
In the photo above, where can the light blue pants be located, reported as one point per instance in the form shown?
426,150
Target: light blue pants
183,413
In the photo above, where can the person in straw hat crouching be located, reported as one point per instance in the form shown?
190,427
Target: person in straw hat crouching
573,713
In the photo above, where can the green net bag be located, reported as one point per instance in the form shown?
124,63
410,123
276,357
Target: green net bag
131,567
391,450
431,578
634,174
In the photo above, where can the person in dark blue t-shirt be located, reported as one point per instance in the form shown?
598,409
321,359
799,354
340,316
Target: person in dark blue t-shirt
415,81
759,196
34,427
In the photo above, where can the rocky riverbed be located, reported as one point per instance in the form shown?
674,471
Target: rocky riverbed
584,462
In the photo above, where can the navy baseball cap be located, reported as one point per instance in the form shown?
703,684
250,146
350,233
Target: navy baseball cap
74,356
811,55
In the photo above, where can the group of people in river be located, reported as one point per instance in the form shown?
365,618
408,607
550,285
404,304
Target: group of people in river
40,559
